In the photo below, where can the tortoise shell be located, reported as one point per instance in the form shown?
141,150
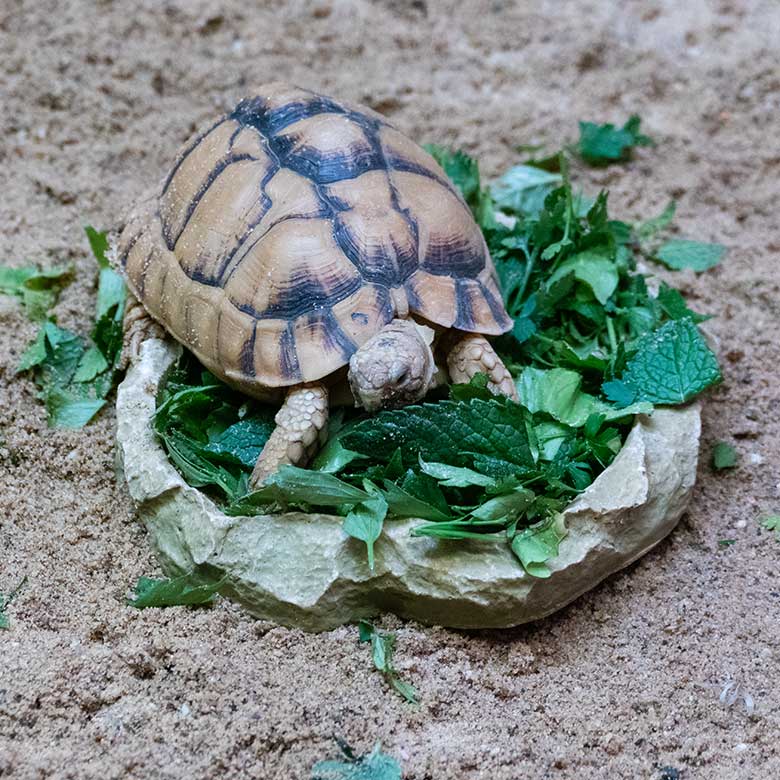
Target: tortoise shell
294,228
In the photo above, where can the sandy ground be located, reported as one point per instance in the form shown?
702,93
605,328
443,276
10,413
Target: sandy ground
96,97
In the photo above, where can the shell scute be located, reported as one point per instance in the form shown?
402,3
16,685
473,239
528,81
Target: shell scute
290,231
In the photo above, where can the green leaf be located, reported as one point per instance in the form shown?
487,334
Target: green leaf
190,589
244,440
98,242
67,410
682,253
523,189
445,432
6,600
401,503
375,766
673,305
365,522
455,476
672,365
558,392
535,545
461,169
592,268
771,523
91,364
37,289
646,230
382,651
604,144
507,507
724,456
295,485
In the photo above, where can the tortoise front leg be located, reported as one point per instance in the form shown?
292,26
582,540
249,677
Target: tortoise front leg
301,427
472,354
137,326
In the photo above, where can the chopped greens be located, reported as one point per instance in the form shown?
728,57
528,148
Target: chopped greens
682,253
382,650
374,766
74,376
724,456
189,589
6,600
605,144
37,290
771,523
591,347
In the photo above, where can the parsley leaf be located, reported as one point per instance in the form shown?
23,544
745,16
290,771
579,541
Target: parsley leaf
382,651
191,588
683,253
724,456
604,144
671,365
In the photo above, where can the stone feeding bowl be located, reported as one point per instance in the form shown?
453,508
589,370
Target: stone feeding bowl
302,570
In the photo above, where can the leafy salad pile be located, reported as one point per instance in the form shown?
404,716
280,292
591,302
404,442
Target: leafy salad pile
592,346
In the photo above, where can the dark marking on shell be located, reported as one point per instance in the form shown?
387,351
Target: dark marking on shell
447,258
186,153
465,317
247,357
288,355
304,293
496,307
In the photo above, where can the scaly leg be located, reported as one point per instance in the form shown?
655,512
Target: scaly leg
138,326
472,354
301,427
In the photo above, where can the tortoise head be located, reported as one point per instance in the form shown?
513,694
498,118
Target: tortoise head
393,368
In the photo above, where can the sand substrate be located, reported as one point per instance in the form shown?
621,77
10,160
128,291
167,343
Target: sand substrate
96,99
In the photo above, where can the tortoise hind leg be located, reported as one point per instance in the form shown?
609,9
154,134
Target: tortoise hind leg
471,354
301,427
137,326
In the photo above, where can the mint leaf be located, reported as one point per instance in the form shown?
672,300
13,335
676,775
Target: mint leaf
672,365
535,545
523,188
724,456
190,589
365,521
682,253
604,144
445,432
382,651
375,766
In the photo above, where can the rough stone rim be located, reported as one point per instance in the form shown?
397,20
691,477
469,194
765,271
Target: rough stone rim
209,536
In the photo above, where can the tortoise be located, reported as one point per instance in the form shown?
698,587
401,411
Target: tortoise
305,249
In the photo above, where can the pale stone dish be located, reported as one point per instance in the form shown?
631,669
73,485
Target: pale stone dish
303,570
